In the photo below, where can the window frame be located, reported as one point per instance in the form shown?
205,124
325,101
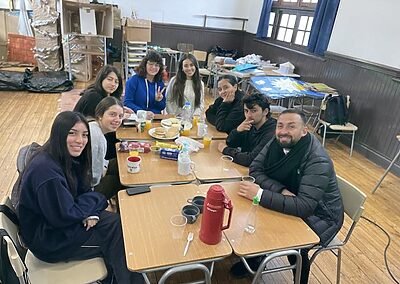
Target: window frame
299,9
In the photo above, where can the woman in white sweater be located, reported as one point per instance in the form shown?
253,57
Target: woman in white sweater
105,177
186,86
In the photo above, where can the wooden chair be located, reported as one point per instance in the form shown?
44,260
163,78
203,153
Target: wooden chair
201,57
353,202
347,129
35,271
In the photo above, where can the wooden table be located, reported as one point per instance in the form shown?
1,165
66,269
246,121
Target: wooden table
131,133
208,165
275,232
148,234
154,170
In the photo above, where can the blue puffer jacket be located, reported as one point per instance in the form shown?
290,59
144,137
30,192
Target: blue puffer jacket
318,201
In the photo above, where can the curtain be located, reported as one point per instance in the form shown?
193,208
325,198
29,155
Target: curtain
324,18
263,24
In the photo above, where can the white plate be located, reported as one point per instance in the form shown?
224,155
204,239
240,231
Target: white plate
152,134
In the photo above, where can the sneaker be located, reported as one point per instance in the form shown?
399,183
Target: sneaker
238,270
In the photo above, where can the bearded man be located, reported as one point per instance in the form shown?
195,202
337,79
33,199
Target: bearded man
294,175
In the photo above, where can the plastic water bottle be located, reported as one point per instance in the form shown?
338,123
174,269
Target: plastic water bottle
251,219
184,163
187,112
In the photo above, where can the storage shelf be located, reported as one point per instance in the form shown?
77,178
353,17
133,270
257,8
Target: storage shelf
133,54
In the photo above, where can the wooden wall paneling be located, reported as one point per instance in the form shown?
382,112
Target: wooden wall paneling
375,95
202,38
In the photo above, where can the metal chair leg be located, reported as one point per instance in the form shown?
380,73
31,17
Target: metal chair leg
386,172
261,269
352,143
195,266
339,265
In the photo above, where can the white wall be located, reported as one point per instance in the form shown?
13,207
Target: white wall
368,30
184,11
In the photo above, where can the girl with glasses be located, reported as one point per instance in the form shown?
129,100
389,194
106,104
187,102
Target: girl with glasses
145,90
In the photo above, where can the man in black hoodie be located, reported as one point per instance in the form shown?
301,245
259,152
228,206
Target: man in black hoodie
250,137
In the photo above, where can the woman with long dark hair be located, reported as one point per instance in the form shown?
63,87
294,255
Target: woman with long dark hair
145,90
186,86
108,82
227,111
61,218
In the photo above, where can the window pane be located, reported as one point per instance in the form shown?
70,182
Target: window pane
306,1
271,18
306,37
284,20
309,25
314,1
292,21
270,27
288,35
299,38
294,1
303,23
281,34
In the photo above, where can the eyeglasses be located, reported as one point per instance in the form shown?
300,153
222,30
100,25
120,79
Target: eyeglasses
153,64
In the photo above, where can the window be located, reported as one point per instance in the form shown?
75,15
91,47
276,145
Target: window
290,21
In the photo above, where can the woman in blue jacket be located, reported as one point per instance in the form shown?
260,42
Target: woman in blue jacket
61,218
145,90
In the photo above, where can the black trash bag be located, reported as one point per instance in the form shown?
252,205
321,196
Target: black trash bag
47,82
11,81
219,51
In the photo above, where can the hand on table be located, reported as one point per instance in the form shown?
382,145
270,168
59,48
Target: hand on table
248,189
159,95
221,146
149,115
245,125
127,112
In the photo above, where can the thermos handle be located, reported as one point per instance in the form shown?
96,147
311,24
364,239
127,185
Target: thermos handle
228,206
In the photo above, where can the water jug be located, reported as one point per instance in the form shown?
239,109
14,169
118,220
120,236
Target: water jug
213,215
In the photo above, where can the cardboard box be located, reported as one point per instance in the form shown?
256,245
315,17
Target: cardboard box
88,21
137,30
73,21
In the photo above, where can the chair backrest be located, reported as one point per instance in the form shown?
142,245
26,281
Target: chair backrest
185,47
9,243
353,199
200,55
6,223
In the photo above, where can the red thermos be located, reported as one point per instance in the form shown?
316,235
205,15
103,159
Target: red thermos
213,215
